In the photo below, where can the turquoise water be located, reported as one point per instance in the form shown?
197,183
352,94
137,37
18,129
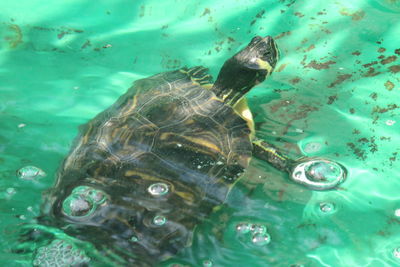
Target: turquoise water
334,94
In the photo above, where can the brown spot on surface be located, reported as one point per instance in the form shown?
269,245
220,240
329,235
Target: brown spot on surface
311,47
283,34
281,67
86,44
352,110
371,73
298,14
390,107
381,49
295,80
356,53
370,64
358,15
206,12
394,69
231,40
388,60
374,96
332,99
260,14
339,79
397,51
319,66
360,154
389,85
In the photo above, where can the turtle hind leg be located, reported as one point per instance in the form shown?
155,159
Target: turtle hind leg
313,173
267,152
198,74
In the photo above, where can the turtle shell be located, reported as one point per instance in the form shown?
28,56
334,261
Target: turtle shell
166,130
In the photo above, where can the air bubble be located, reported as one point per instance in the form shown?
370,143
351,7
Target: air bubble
159,220
397,213
97,196
319,174
30,173
396,252
312,147
76,206
258,229
390,122
11,191
158,189
327,207
83,201
243,228
261,239
207,263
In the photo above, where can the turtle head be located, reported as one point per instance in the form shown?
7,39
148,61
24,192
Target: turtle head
249,67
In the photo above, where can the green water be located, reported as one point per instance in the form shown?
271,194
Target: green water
334,94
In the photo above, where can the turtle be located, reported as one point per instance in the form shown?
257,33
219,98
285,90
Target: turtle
144,172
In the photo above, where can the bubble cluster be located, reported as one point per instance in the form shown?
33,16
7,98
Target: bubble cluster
259,234
319,174
30,173
158,189
59,253
83,201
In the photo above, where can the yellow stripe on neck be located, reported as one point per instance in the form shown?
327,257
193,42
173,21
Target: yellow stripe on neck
264,65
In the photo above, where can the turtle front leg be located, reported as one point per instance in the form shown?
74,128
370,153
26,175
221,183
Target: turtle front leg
314,173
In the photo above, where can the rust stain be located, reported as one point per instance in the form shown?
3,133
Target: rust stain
394,68
339,79
16,36
370,64
283,34
358,15
319,66
388,60
389,85
282,67
381,49
295,80
371,73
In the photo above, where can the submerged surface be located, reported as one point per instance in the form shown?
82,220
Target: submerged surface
334,94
